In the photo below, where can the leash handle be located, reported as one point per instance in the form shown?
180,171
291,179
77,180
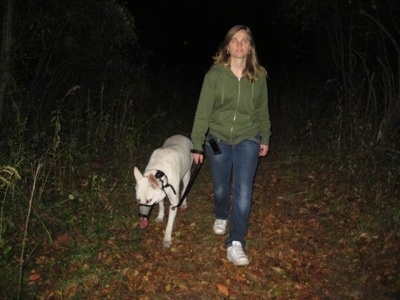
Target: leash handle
191,181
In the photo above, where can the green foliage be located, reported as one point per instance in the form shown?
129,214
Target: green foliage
81,99
8,182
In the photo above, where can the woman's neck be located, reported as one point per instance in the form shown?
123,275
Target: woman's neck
237,67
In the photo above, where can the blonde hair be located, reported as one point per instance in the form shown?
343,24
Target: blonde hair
253,68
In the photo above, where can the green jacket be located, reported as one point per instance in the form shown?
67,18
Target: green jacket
231,109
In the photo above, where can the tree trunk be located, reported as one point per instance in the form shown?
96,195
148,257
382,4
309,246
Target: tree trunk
5,57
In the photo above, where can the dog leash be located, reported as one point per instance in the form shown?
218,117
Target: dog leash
191,181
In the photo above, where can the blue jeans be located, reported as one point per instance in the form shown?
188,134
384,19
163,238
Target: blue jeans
237,164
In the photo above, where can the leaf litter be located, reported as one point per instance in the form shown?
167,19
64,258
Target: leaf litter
304,242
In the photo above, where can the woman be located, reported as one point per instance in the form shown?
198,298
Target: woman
232,120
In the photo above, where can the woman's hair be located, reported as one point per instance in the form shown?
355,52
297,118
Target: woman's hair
253,68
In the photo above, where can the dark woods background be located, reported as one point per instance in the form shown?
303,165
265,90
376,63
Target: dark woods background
333,68
89,83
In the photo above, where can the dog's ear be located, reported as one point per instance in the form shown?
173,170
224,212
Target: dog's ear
153,181
137,173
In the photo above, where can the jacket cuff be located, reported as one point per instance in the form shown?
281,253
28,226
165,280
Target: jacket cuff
197,151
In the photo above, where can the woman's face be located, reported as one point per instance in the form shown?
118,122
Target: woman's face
239,46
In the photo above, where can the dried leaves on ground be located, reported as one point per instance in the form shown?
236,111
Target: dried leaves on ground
311,236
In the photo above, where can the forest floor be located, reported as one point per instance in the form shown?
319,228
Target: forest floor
310,237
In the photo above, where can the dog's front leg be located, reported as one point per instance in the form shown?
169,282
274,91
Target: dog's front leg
168,231
161,211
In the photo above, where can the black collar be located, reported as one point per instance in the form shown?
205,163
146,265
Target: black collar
160,175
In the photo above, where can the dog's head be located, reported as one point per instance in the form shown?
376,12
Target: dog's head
148,189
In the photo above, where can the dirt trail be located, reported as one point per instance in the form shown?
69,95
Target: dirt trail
301,242
305,241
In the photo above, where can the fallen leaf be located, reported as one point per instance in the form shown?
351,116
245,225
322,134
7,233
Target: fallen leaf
277,269
223,289
34,277
240,278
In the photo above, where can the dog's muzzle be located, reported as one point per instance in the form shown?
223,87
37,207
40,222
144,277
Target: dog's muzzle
145,210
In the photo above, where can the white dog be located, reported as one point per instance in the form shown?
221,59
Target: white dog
167,168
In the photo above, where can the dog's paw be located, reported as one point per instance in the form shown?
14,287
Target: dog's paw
159,220
167,244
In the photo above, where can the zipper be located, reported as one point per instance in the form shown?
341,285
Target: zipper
234,116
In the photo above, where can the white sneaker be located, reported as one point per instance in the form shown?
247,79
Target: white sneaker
220,226
236,255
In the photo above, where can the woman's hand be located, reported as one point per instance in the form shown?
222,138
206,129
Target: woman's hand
197,158
264,150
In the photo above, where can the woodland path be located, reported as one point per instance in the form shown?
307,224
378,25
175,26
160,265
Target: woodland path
309,238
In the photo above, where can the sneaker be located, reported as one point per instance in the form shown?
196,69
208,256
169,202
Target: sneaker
236,255
220,226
